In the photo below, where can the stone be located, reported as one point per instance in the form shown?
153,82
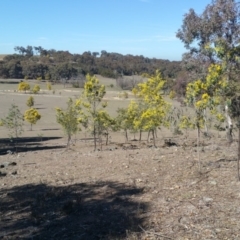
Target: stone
3,174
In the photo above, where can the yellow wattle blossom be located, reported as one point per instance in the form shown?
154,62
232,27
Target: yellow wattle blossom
205,96
220,117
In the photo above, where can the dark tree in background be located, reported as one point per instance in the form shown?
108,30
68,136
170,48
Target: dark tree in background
52,65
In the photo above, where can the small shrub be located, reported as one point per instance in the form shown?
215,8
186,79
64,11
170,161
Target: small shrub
13,122
172,94
49,86
36,89
32,116
23,86
30,101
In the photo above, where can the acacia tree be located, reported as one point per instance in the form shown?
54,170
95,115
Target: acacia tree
202,95
104,124
134,112
93,95
69,119
123,121
213,37
154,108
30,101
23,86
13,122
36,89
32,116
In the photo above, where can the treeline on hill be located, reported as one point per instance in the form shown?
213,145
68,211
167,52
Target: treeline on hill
52,65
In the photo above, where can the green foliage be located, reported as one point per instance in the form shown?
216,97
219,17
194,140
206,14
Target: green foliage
93,90
30,101
204,33
149,112
135,116
32,116
123,121
152,109
36,89
69,119
203,95
207,94
23,86
57,65
93,95
13,122
213,37
103,124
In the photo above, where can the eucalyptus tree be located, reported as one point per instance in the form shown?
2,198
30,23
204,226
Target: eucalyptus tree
213,37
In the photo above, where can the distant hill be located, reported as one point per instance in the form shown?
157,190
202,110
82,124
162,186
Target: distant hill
39,63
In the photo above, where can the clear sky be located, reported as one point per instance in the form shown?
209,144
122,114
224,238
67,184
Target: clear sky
137,27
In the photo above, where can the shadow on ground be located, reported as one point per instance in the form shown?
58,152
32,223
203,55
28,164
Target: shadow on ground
104,210
26,144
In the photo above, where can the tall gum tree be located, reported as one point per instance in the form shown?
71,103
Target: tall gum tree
213,36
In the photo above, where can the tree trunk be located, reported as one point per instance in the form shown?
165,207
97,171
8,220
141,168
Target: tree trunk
100,140
140,136
229,126
95,138
205,122
68,142
107,138
155,131
198,147
238,151
126,136
153,134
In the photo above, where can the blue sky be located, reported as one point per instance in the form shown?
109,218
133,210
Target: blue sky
137,27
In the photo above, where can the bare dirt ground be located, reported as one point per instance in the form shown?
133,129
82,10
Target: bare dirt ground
126,191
